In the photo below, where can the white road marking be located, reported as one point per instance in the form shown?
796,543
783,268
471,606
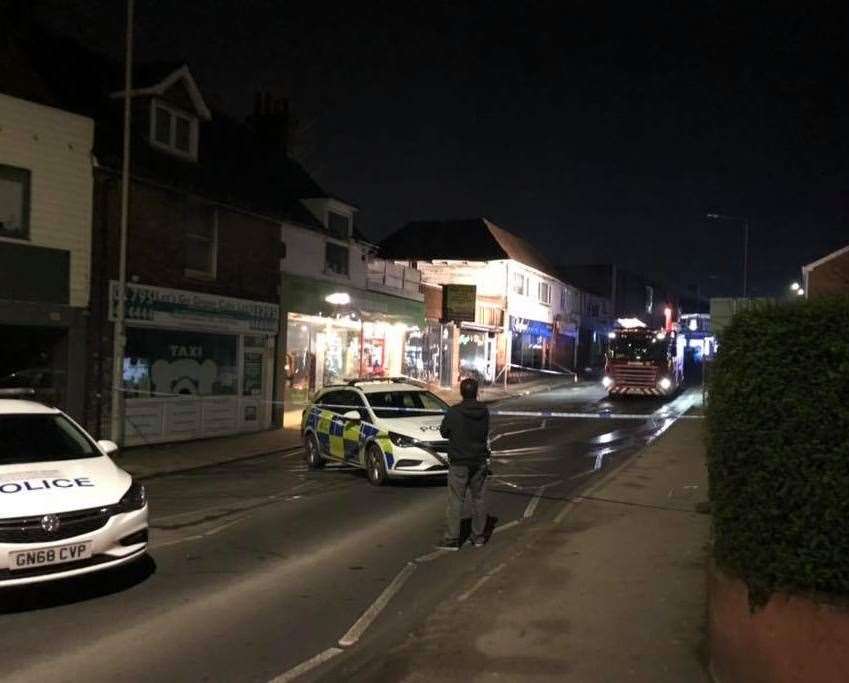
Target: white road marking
308,665
431,556
532,505
480,582
508,525
516,432
197,537
357,630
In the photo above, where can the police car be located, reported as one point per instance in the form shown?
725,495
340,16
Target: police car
65,507
390,428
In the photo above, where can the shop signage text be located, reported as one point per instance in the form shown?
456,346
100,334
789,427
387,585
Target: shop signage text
458,303
535,328
154,305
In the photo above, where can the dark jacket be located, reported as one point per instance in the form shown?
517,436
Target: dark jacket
466,426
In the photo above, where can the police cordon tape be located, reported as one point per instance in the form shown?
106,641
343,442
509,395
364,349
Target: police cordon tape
603,414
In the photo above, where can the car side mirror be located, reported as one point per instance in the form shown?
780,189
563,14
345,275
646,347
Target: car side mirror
108,447
353,415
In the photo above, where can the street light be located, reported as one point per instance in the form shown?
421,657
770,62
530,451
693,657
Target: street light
745,221
795,286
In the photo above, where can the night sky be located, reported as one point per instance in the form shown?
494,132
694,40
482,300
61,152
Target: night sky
600,132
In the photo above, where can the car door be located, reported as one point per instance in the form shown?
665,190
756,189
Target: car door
330,425
353,429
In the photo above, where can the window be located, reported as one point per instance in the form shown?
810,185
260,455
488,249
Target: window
563,299
14,202
202,246
338,224
336,259
398,404
31,439
519,283
173,130
544,292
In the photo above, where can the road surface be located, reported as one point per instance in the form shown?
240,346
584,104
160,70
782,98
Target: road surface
260,565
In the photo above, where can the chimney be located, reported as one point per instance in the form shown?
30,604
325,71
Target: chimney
271,123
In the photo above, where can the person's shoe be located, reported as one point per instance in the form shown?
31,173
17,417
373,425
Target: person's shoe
453,546
479,542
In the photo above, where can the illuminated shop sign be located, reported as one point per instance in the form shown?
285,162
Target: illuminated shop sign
535,328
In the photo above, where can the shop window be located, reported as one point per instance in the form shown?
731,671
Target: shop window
173,131
336,259
519,283
544,292
339,225
202,246
14,202
161,363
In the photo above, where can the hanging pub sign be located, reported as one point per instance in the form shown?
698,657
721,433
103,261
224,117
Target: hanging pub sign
458,303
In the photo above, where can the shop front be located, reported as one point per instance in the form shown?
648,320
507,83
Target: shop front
196,365
334,334
531,343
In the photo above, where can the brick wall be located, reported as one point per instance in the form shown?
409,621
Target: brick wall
248,261
831,278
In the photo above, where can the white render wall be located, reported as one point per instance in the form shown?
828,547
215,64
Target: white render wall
529,306
495,279
55,146
305,250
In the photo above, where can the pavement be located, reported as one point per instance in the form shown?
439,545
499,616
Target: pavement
157,460
611,589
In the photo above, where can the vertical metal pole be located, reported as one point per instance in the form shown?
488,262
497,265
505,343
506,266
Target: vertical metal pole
119,340
745,258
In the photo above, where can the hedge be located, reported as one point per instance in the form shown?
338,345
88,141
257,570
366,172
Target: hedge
778,449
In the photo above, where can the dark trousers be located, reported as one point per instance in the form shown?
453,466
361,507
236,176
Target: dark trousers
461,478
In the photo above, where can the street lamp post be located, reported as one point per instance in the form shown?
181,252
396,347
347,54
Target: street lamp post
745,221
119,333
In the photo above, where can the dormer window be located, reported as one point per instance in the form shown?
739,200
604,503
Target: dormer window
173,131
339,225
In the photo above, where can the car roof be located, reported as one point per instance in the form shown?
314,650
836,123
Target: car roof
15,406
374,387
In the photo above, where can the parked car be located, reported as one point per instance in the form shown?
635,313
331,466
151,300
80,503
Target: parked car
65,508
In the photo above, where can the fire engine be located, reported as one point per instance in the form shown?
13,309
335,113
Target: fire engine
644,362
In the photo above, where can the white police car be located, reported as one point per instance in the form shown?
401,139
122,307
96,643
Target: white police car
388,427
65,507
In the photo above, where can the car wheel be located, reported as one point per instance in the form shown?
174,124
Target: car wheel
375,466
312,454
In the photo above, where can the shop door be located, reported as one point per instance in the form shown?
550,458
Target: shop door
253,406
446,357
489,358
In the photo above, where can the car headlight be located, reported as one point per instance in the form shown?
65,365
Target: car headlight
606,382
401,441
134,499
665,383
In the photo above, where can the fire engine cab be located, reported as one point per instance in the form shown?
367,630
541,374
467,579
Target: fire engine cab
644,362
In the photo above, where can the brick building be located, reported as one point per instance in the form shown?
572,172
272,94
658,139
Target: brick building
208,197
828,276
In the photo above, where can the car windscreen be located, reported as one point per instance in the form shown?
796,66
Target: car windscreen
639,347
30,438
392,404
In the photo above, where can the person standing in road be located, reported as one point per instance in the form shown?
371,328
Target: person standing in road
466,426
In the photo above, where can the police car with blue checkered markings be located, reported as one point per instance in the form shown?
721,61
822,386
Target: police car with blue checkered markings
390,428
65,508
